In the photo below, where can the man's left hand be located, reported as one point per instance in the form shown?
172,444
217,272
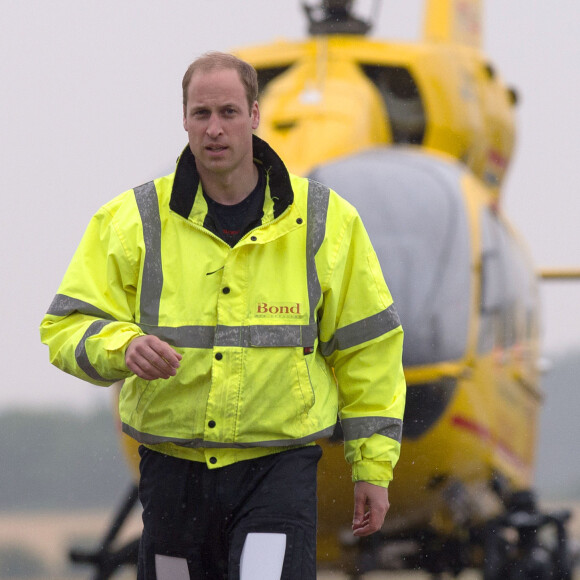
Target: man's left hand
371,504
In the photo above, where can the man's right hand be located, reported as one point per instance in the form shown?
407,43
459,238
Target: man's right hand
150,358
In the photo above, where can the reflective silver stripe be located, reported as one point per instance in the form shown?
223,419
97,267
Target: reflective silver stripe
265,335
82,357
152,283
364,427
263,556
243,336
63,305
183,336
318,196
171,568
362,331
149,439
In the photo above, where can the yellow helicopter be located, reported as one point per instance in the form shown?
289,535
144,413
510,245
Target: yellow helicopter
419,137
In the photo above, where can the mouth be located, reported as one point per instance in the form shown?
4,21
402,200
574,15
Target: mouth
215,148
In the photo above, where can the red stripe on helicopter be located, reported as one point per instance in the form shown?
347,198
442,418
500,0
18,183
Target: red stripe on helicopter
486,435
497,158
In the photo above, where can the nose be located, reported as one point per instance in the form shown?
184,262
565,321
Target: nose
214,128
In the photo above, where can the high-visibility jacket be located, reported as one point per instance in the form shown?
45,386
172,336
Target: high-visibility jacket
278,334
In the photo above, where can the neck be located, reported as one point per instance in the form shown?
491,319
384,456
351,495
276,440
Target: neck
229,189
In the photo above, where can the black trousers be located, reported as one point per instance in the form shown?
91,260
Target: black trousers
255,518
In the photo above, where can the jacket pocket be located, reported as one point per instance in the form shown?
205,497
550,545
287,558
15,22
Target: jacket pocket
145,390
305,383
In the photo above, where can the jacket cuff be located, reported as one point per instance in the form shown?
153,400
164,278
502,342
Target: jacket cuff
376,472
108,351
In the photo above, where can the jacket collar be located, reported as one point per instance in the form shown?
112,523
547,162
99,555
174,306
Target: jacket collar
186,182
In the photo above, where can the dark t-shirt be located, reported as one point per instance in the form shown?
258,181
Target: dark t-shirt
232,222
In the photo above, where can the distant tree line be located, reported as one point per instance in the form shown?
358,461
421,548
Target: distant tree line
60,460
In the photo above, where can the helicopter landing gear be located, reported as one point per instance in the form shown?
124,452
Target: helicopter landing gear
525,544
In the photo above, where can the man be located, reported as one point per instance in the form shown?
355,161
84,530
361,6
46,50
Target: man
229,295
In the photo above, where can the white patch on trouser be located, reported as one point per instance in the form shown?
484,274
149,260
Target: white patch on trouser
262,557
171,568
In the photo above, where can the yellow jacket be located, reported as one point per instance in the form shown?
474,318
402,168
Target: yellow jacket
267,329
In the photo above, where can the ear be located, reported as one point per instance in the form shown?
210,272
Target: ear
185,117
255,114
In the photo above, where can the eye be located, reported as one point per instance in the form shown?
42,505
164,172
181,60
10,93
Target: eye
200,113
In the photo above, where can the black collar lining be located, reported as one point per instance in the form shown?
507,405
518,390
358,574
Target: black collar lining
186,180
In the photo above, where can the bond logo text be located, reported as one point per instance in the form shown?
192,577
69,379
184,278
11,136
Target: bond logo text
278,309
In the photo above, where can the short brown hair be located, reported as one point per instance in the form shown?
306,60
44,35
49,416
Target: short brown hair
222,60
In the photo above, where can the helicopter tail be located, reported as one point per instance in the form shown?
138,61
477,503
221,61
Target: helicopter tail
454,21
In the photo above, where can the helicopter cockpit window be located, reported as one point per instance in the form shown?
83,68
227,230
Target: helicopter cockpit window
402,102
412,207
267,75
507,288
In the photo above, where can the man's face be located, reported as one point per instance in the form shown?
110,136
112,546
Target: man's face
218,122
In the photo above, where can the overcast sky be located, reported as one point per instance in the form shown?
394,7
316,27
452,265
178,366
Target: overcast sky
90,107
